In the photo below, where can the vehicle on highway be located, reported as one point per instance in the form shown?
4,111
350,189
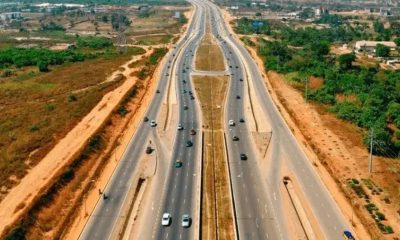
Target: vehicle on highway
241,120
158,91
185,220
189,143
241,79
145,119
167,74
243,156
184,81
237,96
180,127
153,123
347,235
149,150
185,107
178,163
192,132
184,91
235,138
166,219
231,123
191,97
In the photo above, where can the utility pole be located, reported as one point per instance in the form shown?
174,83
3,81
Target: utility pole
370,151
306,88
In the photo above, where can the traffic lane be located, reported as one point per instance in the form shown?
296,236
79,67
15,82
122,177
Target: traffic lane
171,233
324,217
107,211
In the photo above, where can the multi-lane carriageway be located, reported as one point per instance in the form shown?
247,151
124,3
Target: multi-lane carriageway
258,208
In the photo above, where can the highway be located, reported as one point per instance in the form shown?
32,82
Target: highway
252,204
256,191
283,145
103,221
179,194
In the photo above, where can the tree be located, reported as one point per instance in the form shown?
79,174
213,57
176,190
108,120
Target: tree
382,50
306,13
378,26
320,48
43,66
397,41
104,18
346,60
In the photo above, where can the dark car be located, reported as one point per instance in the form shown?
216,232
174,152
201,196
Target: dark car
189,143
237,97
158,91
145,119
191,97
192,132
185,107
243,156
149,150
241,79
235,138
241,120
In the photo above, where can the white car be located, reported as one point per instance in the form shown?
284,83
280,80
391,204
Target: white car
180,127
185,220
153,123
166,219
231,123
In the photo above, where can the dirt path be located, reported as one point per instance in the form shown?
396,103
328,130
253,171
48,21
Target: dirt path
21,196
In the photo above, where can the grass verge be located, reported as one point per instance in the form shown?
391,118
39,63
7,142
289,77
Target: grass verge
217,217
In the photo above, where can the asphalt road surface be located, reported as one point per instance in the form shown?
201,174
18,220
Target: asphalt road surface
102,222
283,145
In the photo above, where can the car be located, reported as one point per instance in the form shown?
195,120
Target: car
230,66
243,156
178,163
231,123
237,66
184,81
183,70
169,66
191,97
241,120
149,150
180,127
237,96
185,220
241,79
167,74
166,219
145,119
235,138
153,123
192,132
347,235
184,91
190,92
185,107
158,91
189,143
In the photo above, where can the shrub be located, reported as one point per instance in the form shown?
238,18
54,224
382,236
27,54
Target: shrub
94,42
34,128
43,66
72,98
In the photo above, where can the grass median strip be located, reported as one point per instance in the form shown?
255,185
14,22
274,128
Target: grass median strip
217,216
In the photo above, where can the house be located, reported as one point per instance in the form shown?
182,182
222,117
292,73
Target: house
369,46
10,16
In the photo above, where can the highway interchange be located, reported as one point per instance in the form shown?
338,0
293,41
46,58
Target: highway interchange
256,195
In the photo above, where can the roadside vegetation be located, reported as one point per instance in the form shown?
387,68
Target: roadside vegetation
39,107
367,96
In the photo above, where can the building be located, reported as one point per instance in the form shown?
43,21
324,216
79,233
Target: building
10,16
177,15
369,46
